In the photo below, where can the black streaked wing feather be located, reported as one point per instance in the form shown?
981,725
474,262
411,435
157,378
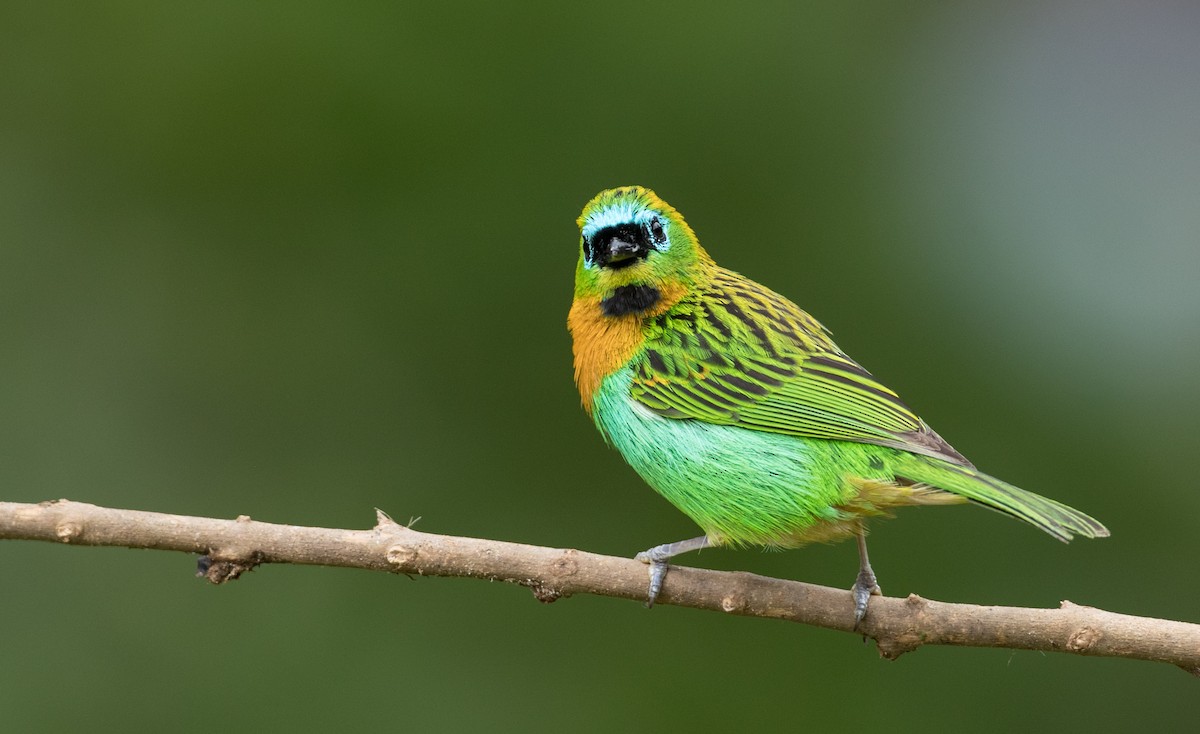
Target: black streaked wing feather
741,354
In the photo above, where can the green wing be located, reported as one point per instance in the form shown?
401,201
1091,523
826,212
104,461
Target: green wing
741,354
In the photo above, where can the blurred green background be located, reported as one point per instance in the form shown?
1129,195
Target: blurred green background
298,261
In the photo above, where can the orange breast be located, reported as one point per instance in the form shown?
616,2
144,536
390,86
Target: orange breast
604,344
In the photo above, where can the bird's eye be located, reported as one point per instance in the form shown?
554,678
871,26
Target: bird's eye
656,231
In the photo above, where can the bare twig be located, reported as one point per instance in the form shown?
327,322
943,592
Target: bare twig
897,625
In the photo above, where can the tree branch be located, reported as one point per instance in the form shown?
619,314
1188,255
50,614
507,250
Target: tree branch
897,625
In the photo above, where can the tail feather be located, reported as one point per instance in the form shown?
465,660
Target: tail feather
1055,518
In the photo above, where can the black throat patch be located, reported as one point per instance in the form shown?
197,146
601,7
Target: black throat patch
630,299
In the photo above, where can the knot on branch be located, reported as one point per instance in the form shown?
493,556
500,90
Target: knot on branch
733,603
893,646
566,565
218,570
402,557
1083,639
542,592
67,531
549,590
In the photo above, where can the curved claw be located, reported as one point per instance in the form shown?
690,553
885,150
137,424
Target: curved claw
864,587
657,558
658,573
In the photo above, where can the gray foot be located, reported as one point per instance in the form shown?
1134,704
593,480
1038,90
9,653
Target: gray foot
658,574
657,558
864,587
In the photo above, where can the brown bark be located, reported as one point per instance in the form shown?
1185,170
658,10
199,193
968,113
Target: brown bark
898,625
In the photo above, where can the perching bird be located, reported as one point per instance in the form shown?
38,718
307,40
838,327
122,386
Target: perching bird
738,408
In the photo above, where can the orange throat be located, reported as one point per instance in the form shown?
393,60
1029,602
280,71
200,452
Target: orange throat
604,344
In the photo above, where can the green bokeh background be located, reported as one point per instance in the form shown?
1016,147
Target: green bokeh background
297,261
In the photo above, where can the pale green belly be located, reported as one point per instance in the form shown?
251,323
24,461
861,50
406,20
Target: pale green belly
739,485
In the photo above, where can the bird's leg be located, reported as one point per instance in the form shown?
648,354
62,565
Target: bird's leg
657,558
864,585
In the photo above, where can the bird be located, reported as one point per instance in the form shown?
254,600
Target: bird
737,407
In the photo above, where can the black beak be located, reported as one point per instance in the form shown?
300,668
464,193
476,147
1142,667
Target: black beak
620,251
620,247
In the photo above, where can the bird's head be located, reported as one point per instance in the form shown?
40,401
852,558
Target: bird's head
633,249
